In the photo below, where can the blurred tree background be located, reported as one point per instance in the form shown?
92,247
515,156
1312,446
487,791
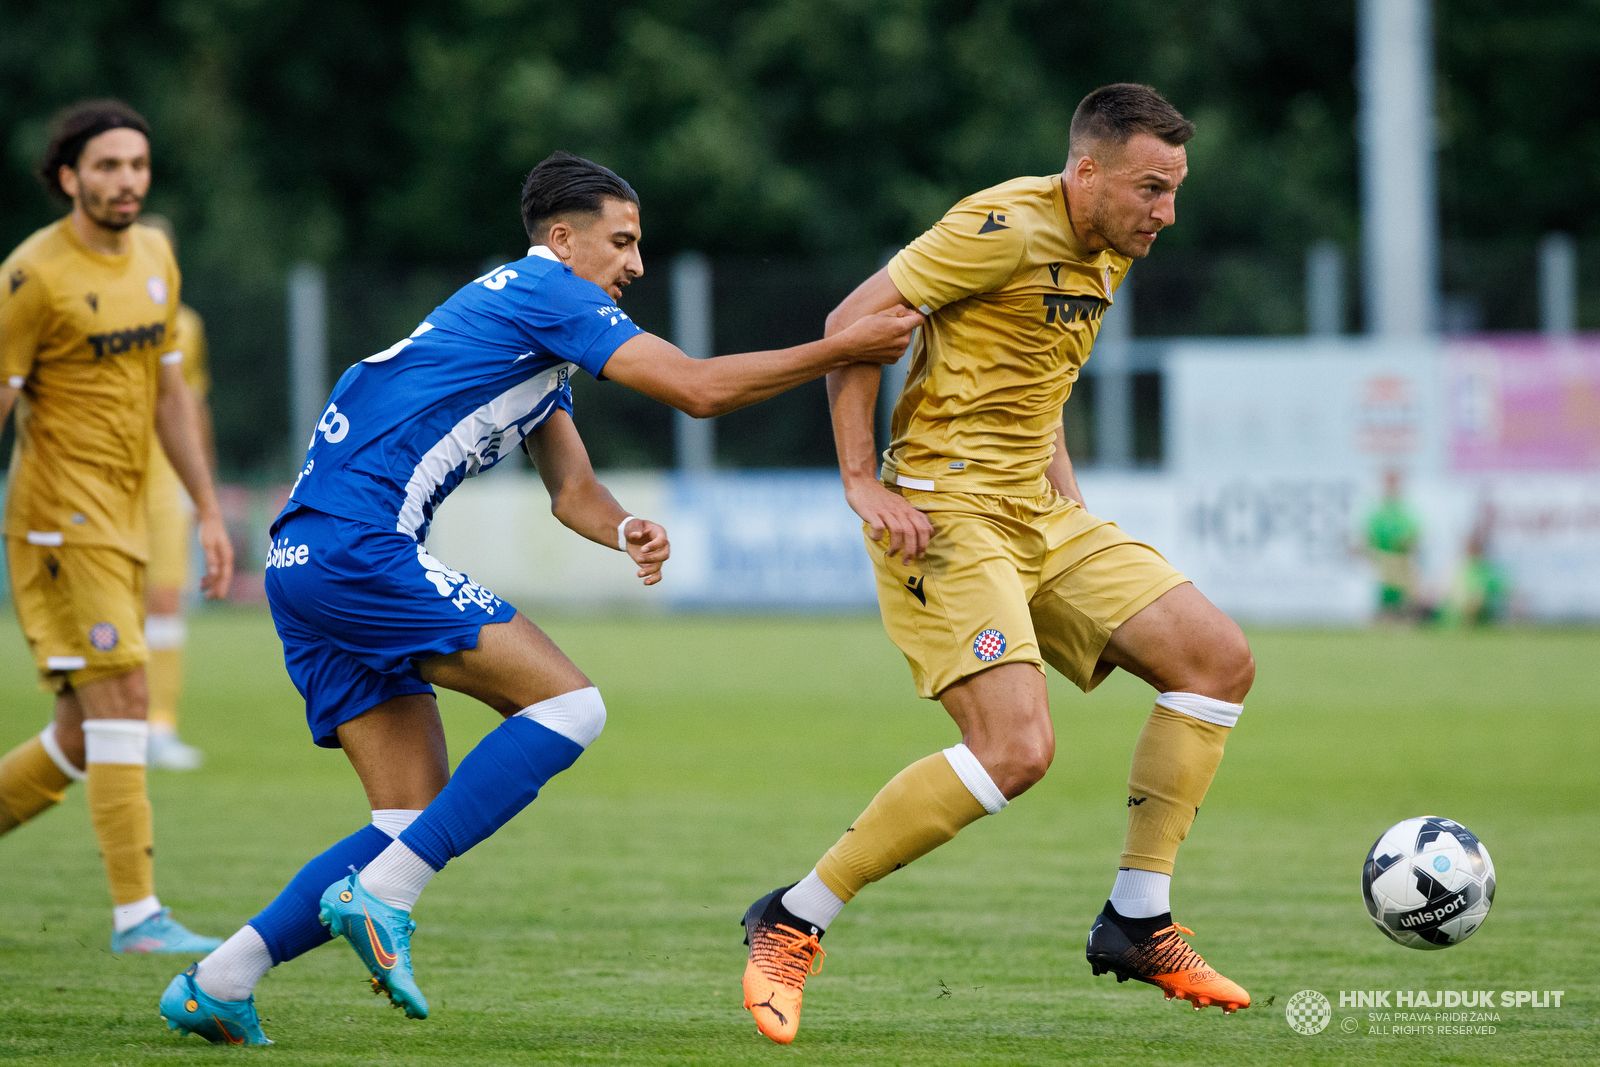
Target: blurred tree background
794,141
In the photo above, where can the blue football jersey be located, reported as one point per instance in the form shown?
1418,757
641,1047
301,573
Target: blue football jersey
482,371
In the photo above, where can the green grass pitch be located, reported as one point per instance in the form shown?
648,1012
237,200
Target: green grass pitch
600,926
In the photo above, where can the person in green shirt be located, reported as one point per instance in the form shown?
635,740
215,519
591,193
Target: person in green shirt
1392,536
1482,591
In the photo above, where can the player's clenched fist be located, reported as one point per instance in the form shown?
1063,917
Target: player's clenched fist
883,511
881,338
648,547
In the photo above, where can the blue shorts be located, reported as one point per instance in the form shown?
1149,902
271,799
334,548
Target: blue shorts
359,608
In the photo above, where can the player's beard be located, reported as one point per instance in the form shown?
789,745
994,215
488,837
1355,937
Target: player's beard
100,212
1123,239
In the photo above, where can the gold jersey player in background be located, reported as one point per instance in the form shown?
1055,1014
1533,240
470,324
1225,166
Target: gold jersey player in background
989,566
88,327
171,533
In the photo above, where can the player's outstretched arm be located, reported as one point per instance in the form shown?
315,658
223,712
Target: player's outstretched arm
178,427
586,507
707,387
852,403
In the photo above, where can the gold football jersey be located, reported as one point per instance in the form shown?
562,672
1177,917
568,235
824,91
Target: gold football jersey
1014,302
84,335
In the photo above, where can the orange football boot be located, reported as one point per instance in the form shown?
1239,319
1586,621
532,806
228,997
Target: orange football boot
1164,960
781,959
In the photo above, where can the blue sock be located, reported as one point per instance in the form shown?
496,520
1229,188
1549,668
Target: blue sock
289,925
497,779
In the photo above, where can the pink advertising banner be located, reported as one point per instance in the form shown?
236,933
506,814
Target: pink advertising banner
1520,402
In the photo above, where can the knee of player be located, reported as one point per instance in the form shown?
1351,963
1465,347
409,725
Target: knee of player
1225,669
579,716
1040,754
1024,763
1239,670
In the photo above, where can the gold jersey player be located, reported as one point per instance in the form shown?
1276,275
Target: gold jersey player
88,317
989,566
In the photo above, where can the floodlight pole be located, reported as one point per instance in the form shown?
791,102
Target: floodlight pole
694,440
308,355
1399,194
1324,289
1558,285
1113,383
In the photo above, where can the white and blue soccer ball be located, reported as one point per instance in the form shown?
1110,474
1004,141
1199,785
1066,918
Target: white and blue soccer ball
1428,883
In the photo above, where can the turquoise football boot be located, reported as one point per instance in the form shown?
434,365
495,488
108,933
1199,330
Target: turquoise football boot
381,936
162,933
188,1009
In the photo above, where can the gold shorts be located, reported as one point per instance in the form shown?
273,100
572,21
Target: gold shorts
1013,580
81,609
171,526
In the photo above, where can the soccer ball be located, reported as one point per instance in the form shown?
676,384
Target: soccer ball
1428,883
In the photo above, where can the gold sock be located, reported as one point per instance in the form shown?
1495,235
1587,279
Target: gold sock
164,677
920,809
119,807
120,811
30,782
1173,764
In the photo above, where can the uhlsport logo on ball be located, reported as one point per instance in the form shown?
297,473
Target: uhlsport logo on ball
1308,1012
1428,883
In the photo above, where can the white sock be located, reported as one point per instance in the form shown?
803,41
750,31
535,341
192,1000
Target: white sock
1141,894
125,917
811,899
232,971
975,778
393,821
116,741
165,633
397,877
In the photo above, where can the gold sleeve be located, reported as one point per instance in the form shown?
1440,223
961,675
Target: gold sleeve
975,248
24,306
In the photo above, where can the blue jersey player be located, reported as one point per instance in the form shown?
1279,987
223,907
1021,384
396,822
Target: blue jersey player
370,621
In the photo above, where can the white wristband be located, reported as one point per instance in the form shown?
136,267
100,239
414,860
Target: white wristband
622,538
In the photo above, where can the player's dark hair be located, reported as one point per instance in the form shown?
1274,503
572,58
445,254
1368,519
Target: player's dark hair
77,126
1113,113
566,184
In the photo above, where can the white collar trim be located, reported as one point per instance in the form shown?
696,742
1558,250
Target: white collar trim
543,252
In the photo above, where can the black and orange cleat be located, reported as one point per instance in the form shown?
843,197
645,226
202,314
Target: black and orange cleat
1154,951
784,952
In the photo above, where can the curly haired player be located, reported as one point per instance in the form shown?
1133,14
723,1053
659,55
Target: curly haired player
90,352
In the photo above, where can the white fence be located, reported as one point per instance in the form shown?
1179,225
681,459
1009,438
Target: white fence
1266,548
1276,455
1276,452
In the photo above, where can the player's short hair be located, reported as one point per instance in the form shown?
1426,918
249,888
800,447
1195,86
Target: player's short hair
75,127
1113,113
567,184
